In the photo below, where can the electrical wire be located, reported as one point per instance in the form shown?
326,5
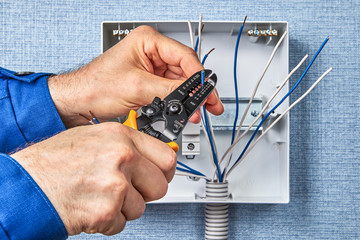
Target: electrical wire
259,81
208,141
189,169
210,133
206,56
198,38
235,80
191,34
94,118
207,127
282,100
279,118
88,119
186,174
231,148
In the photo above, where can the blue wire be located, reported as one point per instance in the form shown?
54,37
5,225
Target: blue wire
191,170
204,59
235,84
206,126
283,99
187,171
196,44
96,121
236,90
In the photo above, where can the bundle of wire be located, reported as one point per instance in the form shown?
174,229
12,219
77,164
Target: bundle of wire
221,175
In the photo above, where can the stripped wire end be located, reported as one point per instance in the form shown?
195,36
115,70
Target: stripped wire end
197,39
94,118
245,20
206,55
210,51
88,119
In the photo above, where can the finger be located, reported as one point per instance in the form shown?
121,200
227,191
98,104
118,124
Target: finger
171,75
214,104
116,226
134,204
148,180
196,117
177,70
155,86
174,53
157,152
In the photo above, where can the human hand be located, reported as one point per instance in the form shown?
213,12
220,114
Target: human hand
145,64
98,177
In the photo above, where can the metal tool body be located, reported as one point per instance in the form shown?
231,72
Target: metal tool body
175,110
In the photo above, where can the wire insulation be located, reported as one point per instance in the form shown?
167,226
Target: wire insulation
235,81
191,34
230,150
281,101
186,174
210,133
259,81
280,117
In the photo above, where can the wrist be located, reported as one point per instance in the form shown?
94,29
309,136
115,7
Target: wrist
68,96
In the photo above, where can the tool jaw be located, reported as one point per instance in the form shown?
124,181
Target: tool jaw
177,108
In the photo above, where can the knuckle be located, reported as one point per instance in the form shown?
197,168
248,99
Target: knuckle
101,218
170,161
115,186
157,191
144,28
112,127
172,85
109,214
114,228
126,153
120,189
138,211
161,191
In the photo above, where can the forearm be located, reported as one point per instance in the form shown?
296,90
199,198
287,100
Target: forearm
69,94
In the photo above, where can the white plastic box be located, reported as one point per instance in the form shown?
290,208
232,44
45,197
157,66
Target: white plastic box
263,177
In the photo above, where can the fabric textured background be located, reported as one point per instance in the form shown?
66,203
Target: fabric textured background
52,36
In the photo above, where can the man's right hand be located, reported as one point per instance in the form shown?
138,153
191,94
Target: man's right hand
98,177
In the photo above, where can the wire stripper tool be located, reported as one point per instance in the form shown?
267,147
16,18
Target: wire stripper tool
166,119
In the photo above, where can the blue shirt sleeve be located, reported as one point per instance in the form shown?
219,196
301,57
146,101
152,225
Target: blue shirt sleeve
25,211
27,115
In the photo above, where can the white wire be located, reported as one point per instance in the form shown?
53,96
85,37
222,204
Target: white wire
230,150
181,173
208,141
205,112
212,132
258,83
199,34
191,34
280,117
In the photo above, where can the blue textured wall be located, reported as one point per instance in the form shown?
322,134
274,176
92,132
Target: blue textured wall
325,152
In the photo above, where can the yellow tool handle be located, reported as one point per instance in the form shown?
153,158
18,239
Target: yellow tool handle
131,122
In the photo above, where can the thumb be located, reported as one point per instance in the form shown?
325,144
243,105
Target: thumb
156,86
